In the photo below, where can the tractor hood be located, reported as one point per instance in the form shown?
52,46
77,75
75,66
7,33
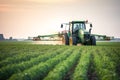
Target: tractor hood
84,35
84,32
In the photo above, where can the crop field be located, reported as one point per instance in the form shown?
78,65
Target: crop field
25,61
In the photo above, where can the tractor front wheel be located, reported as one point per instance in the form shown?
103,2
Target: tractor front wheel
93,40
65,39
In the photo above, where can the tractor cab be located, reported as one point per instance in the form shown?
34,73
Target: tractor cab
76,26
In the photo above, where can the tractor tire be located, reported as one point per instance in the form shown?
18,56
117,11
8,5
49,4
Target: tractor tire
74,40
65,39
93,40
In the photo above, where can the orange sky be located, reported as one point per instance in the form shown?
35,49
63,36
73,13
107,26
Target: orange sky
23,18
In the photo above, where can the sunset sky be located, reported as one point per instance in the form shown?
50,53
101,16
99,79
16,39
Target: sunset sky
23,18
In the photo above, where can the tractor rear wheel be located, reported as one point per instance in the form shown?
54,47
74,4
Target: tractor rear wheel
93,40
65,39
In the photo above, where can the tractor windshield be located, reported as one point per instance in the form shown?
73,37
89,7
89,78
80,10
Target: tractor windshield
77,26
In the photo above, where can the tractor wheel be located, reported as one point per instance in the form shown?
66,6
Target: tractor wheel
74,40
65,39
93,40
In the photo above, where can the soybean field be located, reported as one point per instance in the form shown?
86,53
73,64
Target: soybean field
25,61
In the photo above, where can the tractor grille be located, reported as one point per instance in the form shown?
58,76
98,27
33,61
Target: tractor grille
86,37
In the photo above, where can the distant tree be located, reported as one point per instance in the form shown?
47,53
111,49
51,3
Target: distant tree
1,37
10,38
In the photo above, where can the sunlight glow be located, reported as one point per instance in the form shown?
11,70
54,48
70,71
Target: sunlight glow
51,1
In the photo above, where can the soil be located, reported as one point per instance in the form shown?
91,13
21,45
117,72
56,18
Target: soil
92,74
69,74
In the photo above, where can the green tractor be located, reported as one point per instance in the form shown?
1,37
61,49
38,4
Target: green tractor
77,33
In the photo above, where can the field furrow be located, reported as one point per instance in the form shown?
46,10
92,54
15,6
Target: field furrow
26,61
81,69
40,71
63,67
14,68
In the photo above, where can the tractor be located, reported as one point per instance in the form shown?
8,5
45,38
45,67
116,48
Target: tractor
77,33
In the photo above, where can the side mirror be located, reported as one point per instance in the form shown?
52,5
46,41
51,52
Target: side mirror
90,30
61,25
90,25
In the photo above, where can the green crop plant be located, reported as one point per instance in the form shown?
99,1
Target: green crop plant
14,68
80,72
40,70
62,68
105,67
26,61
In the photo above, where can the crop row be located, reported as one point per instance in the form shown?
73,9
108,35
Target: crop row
18,67
23,57
9,51
81,70
63,67
40,71
46,62
104,65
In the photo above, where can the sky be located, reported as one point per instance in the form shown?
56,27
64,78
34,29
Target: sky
23,18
